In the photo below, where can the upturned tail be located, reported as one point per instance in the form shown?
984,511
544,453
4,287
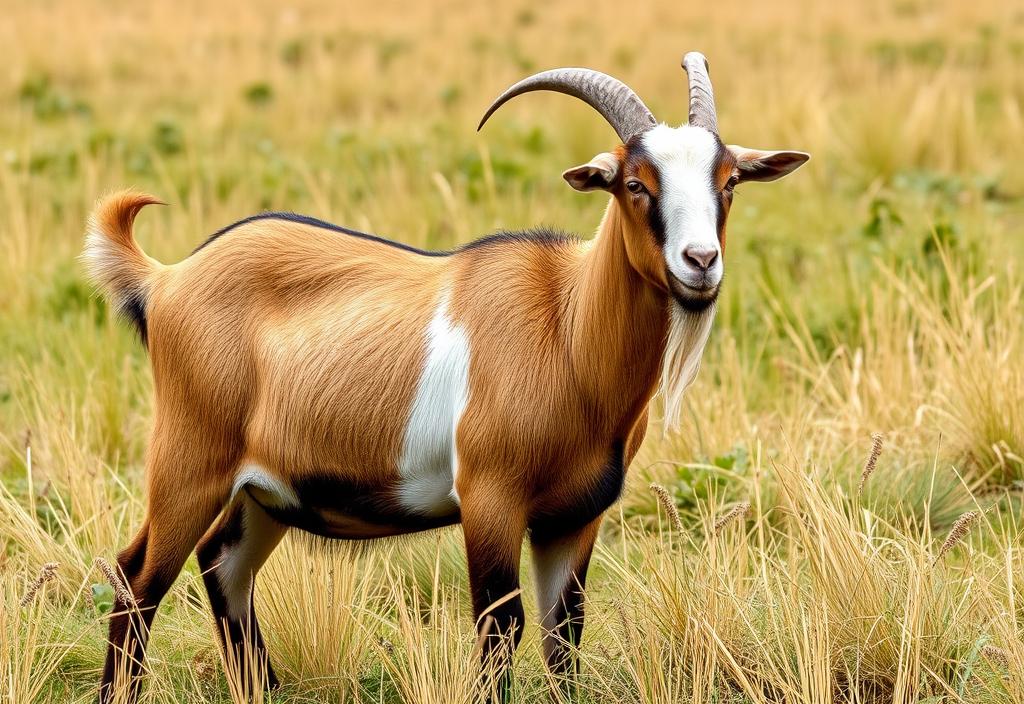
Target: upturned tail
114,260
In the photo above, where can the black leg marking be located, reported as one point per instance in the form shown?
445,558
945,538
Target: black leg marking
499,626
493,546
567,614
229,557
149,565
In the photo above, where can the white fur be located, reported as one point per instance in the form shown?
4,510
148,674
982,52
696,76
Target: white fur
687,334
100,254
240,561
105,263
429,462
552,570
685,159
273,492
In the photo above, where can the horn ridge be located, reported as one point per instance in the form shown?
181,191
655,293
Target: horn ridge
614,100
702,111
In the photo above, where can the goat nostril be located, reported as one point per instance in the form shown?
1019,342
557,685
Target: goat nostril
700,257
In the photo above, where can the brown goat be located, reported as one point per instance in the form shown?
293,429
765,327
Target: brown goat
314,377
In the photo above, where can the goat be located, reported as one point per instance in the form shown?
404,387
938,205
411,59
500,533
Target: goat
314,377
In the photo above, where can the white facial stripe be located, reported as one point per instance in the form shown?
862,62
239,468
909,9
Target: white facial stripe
429,461
685,158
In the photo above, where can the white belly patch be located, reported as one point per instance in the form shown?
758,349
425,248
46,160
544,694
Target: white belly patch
429,463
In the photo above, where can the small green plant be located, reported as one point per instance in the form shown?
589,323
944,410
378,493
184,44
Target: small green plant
47,101
102,598
883,218
293,52
168,139
259,93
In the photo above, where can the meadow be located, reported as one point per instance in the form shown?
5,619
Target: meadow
785,555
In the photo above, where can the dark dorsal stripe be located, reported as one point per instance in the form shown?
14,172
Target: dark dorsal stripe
541,236
315,222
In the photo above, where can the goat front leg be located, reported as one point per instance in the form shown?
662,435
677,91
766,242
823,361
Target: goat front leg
494,535
560,562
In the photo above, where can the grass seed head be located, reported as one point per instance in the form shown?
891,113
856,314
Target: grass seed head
996,655
626,623
736,512
667,503
121,593
872,461
960,528
47,573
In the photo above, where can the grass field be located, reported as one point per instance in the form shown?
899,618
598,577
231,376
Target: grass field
877,290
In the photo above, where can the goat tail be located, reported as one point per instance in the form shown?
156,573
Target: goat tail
114,260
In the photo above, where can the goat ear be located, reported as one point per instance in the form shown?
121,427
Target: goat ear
757,165
597,174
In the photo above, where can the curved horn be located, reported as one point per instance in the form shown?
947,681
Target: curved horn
702,97
616,101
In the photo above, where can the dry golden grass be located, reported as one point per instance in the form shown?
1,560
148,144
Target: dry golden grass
877,290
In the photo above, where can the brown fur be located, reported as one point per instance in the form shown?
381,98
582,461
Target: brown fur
300,349
724,171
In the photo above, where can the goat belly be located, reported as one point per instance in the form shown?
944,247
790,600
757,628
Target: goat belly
333,507
365,439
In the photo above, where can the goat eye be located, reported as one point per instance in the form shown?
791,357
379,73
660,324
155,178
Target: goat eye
731,183
635,187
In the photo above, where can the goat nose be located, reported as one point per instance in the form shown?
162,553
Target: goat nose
700,257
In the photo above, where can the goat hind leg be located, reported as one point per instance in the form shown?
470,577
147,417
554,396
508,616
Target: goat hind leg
150,564
230,555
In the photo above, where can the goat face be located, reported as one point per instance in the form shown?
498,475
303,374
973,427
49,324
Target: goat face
675,188
674,185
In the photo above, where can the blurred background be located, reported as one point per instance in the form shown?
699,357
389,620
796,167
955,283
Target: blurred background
877,290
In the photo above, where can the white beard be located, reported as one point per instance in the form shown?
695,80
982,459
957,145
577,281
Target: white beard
687,334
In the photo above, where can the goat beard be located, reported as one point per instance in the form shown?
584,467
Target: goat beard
688,333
